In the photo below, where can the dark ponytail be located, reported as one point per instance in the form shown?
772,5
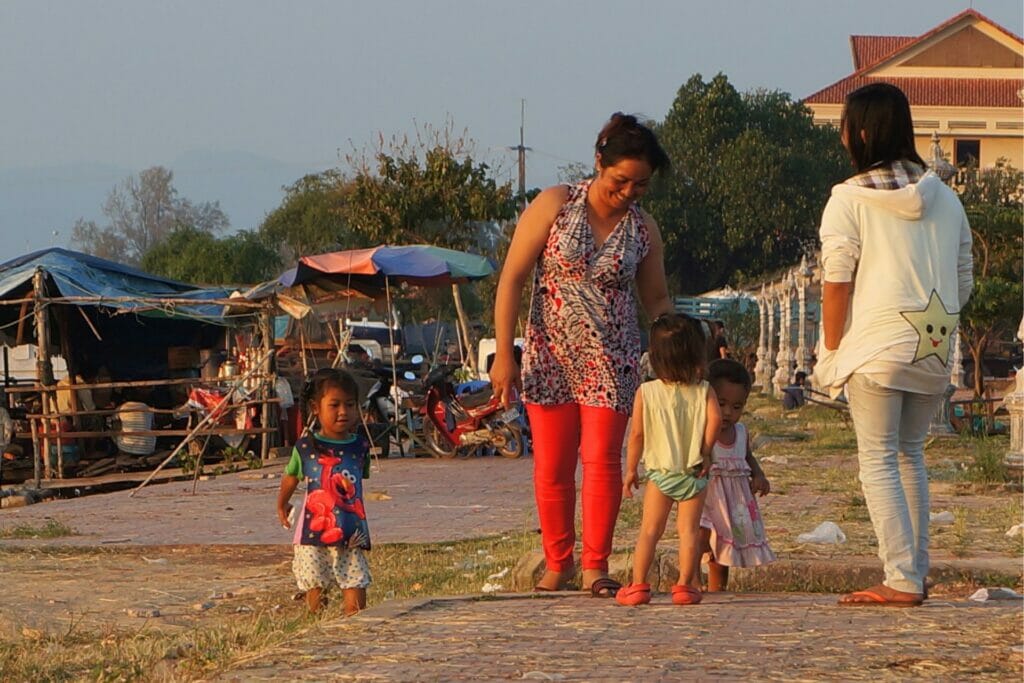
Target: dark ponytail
623,137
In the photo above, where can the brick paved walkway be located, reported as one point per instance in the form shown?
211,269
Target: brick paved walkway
754,636
430,500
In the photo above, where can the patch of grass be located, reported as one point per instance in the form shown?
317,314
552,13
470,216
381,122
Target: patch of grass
957,538
852,508
146,654
158,651
986,463
833,436
410,570
52,528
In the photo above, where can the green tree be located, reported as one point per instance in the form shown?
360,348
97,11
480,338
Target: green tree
310,219
750,175
193,255
994,201
142,212
430,190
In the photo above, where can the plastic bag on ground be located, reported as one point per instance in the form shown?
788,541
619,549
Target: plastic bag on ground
986,594
826,532
941,518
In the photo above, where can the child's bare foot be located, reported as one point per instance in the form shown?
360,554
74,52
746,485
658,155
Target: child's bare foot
315,599
718,577
355,600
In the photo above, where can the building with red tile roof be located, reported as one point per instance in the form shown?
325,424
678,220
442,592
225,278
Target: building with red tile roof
964,79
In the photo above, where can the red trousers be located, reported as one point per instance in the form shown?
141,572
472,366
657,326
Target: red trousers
562,436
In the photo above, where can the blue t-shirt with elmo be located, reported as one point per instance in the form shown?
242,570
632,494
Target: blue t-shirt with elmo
332,512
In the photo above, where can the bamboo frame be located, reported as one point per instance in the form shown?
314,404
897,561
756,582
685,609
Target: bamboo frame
239,382
45,433
171,381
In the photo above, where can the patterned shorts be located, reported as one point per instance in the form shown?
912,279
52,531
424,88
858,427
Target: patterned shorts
323,567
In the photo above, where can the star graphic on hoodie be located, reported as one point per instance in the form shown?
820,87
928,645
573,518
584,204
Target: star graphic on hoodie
934,326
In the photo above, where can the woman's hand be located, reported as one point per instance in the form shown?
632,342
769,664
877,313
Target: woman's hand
506,379
629,482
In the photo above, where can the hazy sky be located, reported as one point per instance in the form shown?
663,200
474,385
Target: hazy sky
128,85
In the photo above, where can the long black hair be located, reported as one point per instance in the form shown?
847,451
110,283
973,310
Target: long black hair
877,126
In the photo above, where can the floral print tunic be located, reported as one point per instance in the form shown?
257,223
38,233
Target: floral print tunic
583,337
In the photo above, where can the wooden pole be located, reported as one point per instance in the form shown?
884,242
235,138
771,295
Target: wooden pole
44,368
464,328
19,339
268,381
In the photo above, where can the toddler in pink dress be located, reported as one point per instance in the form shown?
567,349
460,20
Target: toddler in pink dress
731,525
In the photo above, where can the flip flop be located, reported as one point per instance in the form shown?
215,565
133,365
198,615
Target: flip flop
686,595
633,594
872,597
606,587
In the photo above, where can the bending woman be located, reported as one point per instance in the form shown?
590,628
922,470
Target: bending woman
896,253
586,245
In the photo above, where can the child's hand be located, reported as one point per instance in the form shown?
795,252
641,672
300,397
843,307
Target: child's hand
759,484
630,482
282,515
705,465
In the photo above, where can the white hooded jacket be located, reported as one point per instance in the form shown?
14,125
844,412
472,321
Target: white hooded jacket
908,254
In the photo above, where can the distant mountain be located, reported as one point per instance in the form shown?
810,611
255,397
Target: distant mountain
38,206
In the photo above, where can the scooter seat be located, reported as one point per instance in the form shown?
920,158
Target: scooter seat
476,399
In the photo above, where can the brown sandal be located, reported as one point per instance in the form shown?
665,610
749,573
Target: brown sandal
876,597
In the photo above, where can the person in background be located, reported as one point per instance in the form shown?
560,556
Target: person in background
721,343
357,355
793,395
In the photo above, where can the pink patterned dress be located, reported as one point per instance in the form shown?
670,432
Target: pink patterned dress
730,509
583,337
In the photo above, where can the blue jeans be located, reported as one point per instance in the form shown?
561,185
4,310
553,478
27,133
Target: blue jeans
891,428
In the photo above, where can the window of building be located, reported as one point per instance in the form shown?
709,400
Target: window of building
966,151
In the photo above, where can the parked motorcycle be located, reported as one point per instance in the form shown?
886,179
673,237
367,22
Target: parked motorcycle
471,421
380,400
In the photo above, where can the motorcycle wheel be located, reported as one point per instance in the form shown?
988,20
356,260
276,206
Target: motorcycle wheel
436,442
513,446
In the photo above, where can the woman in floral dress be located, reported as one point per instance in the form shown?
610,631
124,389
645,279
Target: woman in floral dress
586,244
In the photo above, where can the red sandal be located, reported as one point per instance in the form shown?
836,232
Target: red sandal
634,594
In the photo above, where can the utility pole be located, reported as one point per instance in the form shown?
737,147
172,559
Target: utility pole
522,149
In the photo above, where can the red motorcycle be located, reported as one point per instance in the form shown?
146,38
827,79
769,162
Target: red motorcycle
453,423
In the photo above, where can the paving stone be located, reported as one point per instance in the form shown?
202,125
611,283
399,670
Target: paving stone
728,636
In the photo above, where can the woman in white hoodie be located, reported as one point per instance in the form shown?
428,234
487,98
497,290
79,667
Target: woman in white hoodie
896,254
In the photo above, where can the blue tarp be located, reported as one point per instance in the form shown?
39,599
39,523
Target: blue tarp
80,275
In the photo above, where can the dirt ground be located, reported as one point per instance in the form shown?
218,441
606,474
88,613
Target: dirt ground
58,589
206,560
